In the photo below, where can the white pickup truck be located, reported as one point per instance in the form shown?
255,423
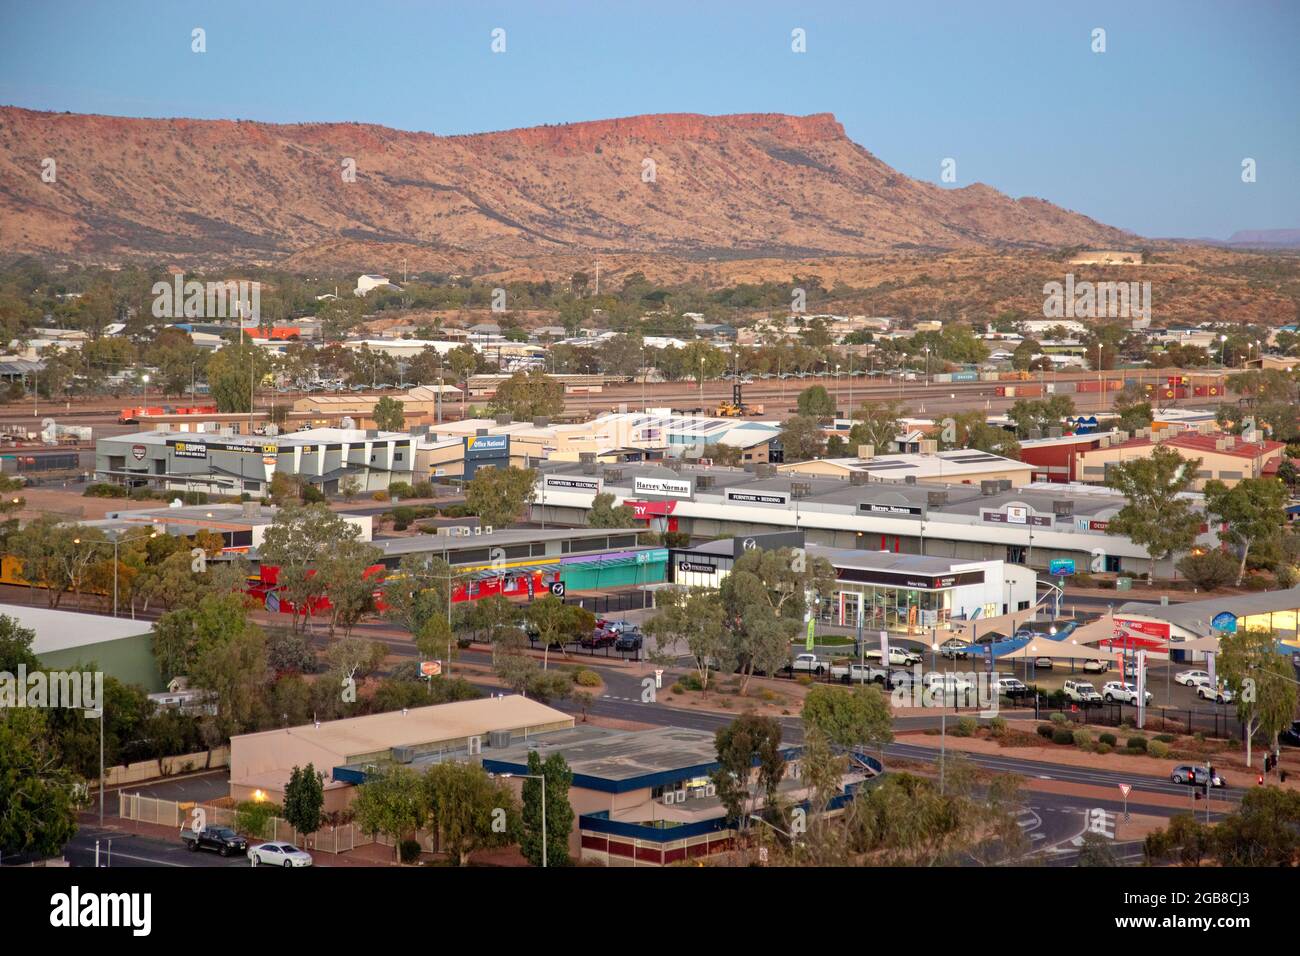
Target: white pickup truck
898,656
855,673
810,664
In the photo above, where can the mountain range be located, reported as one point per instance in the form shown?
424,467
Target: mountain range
686,186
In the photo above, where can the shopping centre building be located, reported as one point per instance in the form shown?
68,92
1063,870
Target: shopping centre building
1033,525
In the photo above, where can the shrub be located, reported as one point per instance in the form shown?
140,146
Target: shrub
1059,719
409,851
105,490
1108,739
1209,571
402,517
422,489
1137,743
691,682
1082,739
1158,748
1257,582
312,495
998,726
1166,738
380,495
1046,730
804,680
1104,748
1062,736
586,678
677,688
966,727
1199,737
455,511
401,489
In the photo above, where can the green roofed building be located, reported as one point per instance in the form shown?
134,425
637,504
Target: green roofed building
68,640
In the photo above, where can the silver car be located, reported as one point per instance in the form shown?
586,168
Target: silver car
278,854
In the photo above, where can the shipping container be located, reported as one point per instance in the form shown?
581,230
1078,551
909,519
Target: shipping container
965,376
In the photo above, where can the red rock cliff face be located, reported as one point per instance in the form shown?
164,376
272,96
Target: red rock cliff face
676,184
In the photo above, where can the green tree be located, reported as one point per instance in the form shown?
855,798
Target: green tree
498,496
304,800
297,542
849,718
392,801
470,810
816,402
1265,830
37,793
1251,513
1262,682
389,414
972,430
1040,414
556,623
559,813
233,373
763,604
604,514
1157,516
693,618
876,424
527,396
343,571
56,554
802,438
750,763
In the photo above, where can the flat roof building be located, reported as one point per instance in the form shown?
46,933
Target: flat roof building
988,520
231,465
337,748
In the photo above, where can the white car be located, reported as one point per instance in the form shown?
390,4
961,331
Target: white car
1118,690
1081,690
898,656
1096,666
950,682
1207,691
1191,678
278,854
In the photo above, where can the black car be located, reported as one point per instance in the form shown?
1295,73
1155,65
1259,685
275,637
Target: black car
222,839
1290,737
628,641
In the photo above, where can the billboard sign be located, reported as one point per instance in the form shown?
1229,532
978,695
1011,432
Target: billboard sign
1062,566
673,487
759,497
1224,621
573,483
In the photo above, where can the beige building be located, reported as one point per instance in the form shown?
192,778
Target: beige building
1223,457
260,763
419,406
960,466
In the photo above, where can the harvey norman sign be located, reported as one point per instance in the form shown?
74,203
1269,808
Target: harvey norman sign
872,508
673,487
759,497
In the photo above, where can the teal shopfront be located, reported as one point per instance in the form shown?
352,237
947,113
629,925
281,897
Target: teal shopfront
620,569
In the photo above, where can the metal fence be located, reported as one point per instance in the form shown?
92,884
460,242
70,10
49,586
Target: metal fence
613,603
170,813
1212,723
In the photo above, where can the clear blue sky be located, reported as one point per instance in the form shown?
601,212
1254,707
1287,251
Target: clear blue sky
1148,136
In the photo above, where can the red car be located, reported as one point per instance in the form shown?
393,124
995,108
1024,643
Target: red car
600,637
